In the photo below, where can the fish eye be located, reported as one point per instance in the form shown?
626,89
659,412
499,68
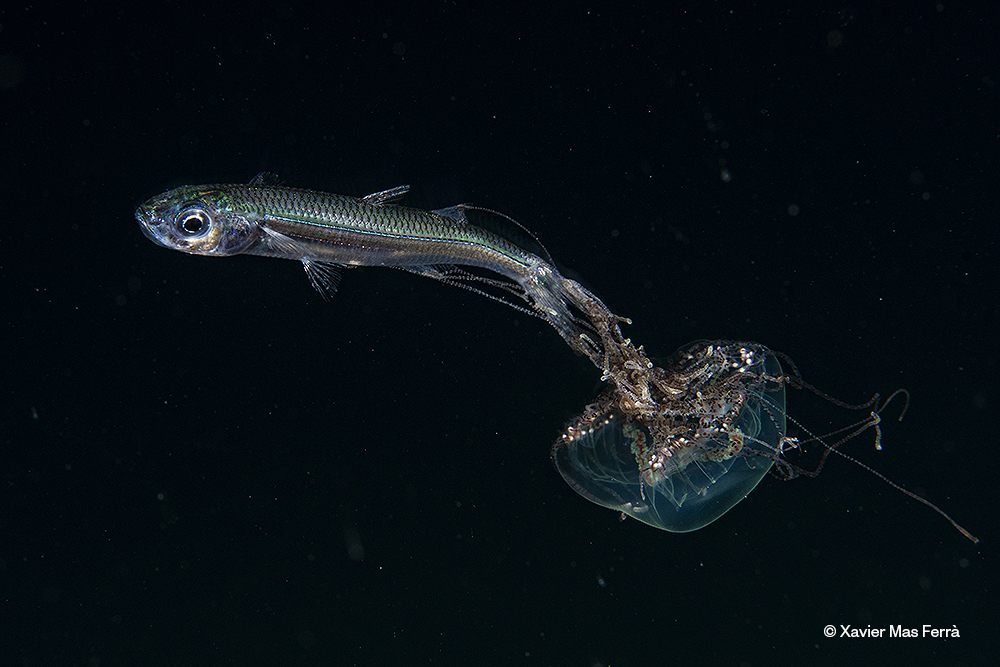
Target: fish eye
192,222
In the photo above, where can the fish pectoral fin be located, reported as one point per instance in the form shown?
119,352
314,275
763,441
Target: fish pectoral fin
386,196
323,276
284,245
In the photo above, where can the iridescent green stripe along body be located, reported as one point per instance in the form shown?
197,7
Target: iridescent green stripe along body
328,231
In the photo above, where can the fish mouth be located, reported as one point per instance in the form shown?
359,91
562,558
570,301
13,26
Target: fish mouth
148,226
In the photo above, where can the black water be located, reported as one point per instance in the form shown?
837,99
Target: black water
204,463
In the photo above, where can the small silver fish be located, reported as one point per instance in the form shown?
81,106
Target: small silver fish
327,231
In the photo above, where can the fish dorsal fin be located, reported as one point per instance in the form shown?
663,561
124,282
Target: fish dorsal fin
265,178
456,213
386,196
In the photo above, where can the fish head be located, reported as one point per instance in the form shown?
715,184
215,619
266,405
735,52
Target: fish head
200,220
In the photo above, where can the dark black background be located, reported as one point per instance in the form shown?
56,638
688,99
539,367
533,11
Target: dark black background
203,463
